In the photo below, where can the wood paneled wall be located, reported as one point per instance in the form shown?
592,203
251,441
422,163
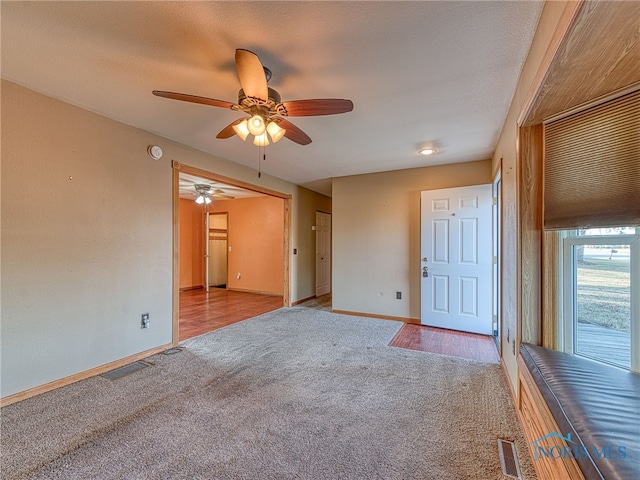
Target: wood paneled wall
600,55
551,284
530,154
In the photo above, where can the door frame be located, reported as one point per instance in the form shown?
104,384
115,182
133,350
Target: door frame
207,239
497,252
319,212
178,168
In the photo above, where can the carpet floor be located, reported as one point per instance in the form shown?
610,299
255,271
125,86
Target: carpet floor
293,394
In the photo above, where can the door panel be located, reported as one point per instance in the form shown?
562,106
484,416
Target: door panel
440,294
456,258
469,241
440,252
469,296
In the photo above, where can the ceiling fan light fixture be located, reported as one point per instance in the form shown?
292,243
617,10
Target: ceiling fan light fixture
276,131
200,200
256,125
241,129
261,140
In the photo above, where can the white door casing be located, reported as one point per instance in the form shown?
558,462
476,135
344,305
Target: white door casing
456,257
323,253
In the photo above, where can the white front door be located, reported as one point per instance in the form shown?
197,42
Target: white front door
323,253
456,258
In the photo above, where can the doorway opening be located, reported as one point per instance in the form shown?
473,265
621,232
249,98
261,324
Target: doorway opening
216,253
231,257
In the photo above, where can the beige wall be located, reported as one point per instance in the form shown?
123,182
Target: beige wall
256,243
86,240
191,244
376,235
87,237
506,154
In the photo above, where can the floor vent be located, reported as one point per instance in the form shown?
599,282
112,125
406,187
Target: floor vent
509,459
126,370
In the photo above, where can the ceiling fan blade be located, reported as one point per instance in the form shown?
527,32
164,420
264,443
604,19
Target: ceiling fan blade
293,133
308,108
228,131
220,194
251,74
194,99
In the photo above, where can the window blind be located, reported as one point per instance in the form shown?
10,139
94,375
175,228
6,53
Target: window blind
592,167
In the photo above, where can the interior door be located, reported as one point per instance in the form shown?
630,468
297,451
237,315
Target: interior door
457,260
323,253
217,256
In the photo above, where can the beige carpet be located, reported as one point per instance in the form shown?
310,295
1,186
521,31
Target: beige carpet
292,394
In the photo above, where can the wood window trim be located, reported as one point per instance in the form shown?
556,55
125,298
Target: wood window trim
551,285
540,265
530,142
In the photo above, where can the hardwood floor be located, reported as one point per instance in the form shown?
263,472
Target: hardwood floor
446,342
202,312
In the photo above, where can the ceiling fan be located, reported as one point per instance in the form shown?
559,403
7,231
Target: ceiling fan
205,192
264,105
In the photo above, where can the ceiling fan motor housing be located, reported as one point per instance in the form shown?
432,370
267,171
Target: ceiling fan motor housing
203,188
274,99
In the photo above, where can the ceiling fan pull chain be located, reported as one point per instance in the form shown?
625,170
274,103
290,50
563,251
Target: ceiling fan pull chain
264,157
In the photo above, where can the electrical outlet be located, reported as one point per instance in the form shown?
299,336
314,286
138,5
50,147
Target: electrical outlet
238,276
398,295
145,322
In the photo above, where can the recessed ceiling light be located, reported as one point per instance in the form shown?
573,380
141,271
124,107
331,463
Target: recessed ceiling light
427,151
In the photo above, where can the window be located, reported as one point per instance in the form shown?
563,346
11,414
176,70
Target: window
601,295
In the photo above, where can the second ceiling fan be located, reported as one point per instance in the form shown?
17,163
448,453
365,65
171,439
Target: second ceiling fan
264,105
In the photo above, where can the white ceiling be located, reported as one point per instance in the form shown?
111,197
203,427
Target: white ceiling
439,73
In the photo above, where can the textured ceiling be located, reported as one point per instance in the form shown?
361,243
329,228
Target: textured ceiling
419,73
